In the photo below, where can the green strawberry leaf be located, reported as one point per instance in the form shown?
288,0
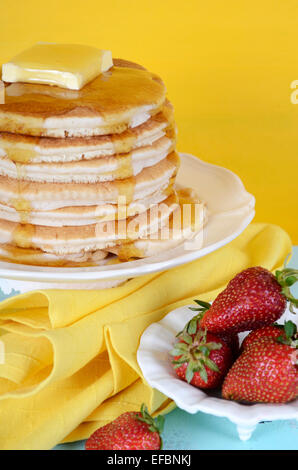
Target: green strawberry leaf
213,346
192,326
290,280
189,372
160,422
203,304
203,374
186,338
175,352
286,278
290,329
204,349
183,347
211,365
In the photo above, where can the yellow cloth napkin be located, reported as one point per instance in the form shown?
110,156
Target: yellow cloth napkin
70,356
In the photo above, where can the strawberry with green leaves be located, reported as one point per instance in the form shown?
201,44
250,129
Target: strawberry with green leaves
201,359
267,369
284,332
253,298
130,431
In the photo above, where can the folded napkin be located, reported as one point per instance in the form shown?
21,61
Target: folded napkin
70,356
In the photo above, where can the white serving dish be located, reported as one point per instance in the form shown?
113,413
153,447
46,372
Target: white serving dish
155,362
231,209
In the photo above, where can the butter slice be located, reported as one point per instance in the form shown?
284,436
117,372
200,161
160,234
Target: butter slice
65,65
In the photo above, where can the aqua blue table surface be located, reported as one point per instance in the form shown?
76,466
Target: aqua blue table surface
201,431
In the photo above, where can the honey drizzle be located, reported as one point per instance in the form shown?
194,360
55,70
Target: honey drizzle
124,173
22,235
125,179
129,251
23,232
17,155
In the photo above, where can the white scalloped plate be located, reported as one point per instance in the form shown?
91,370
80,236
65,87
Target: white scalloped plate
154,360
231,209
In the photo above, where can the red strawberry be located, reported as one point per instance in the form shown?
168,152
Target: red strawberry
286,334
130,431
266,332
266,372
252,299
201,359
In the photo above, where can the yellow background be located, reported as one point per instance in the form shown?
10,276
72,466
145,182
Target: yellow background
228,66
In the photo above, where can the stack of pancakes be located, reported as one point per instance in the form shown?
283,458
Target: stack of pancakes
81,170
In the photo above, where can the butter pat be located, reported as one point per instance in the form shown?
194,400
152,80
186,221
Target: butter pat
65,65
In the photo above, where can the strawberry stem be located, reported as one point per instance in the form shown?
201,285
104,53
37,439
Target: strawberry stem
286,278
192,326
154,425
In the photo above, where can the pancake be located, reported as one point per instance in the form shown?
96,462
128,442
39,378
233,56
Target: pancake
121,98
83,215
24,195
90,171
35,257
100,236
27,149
